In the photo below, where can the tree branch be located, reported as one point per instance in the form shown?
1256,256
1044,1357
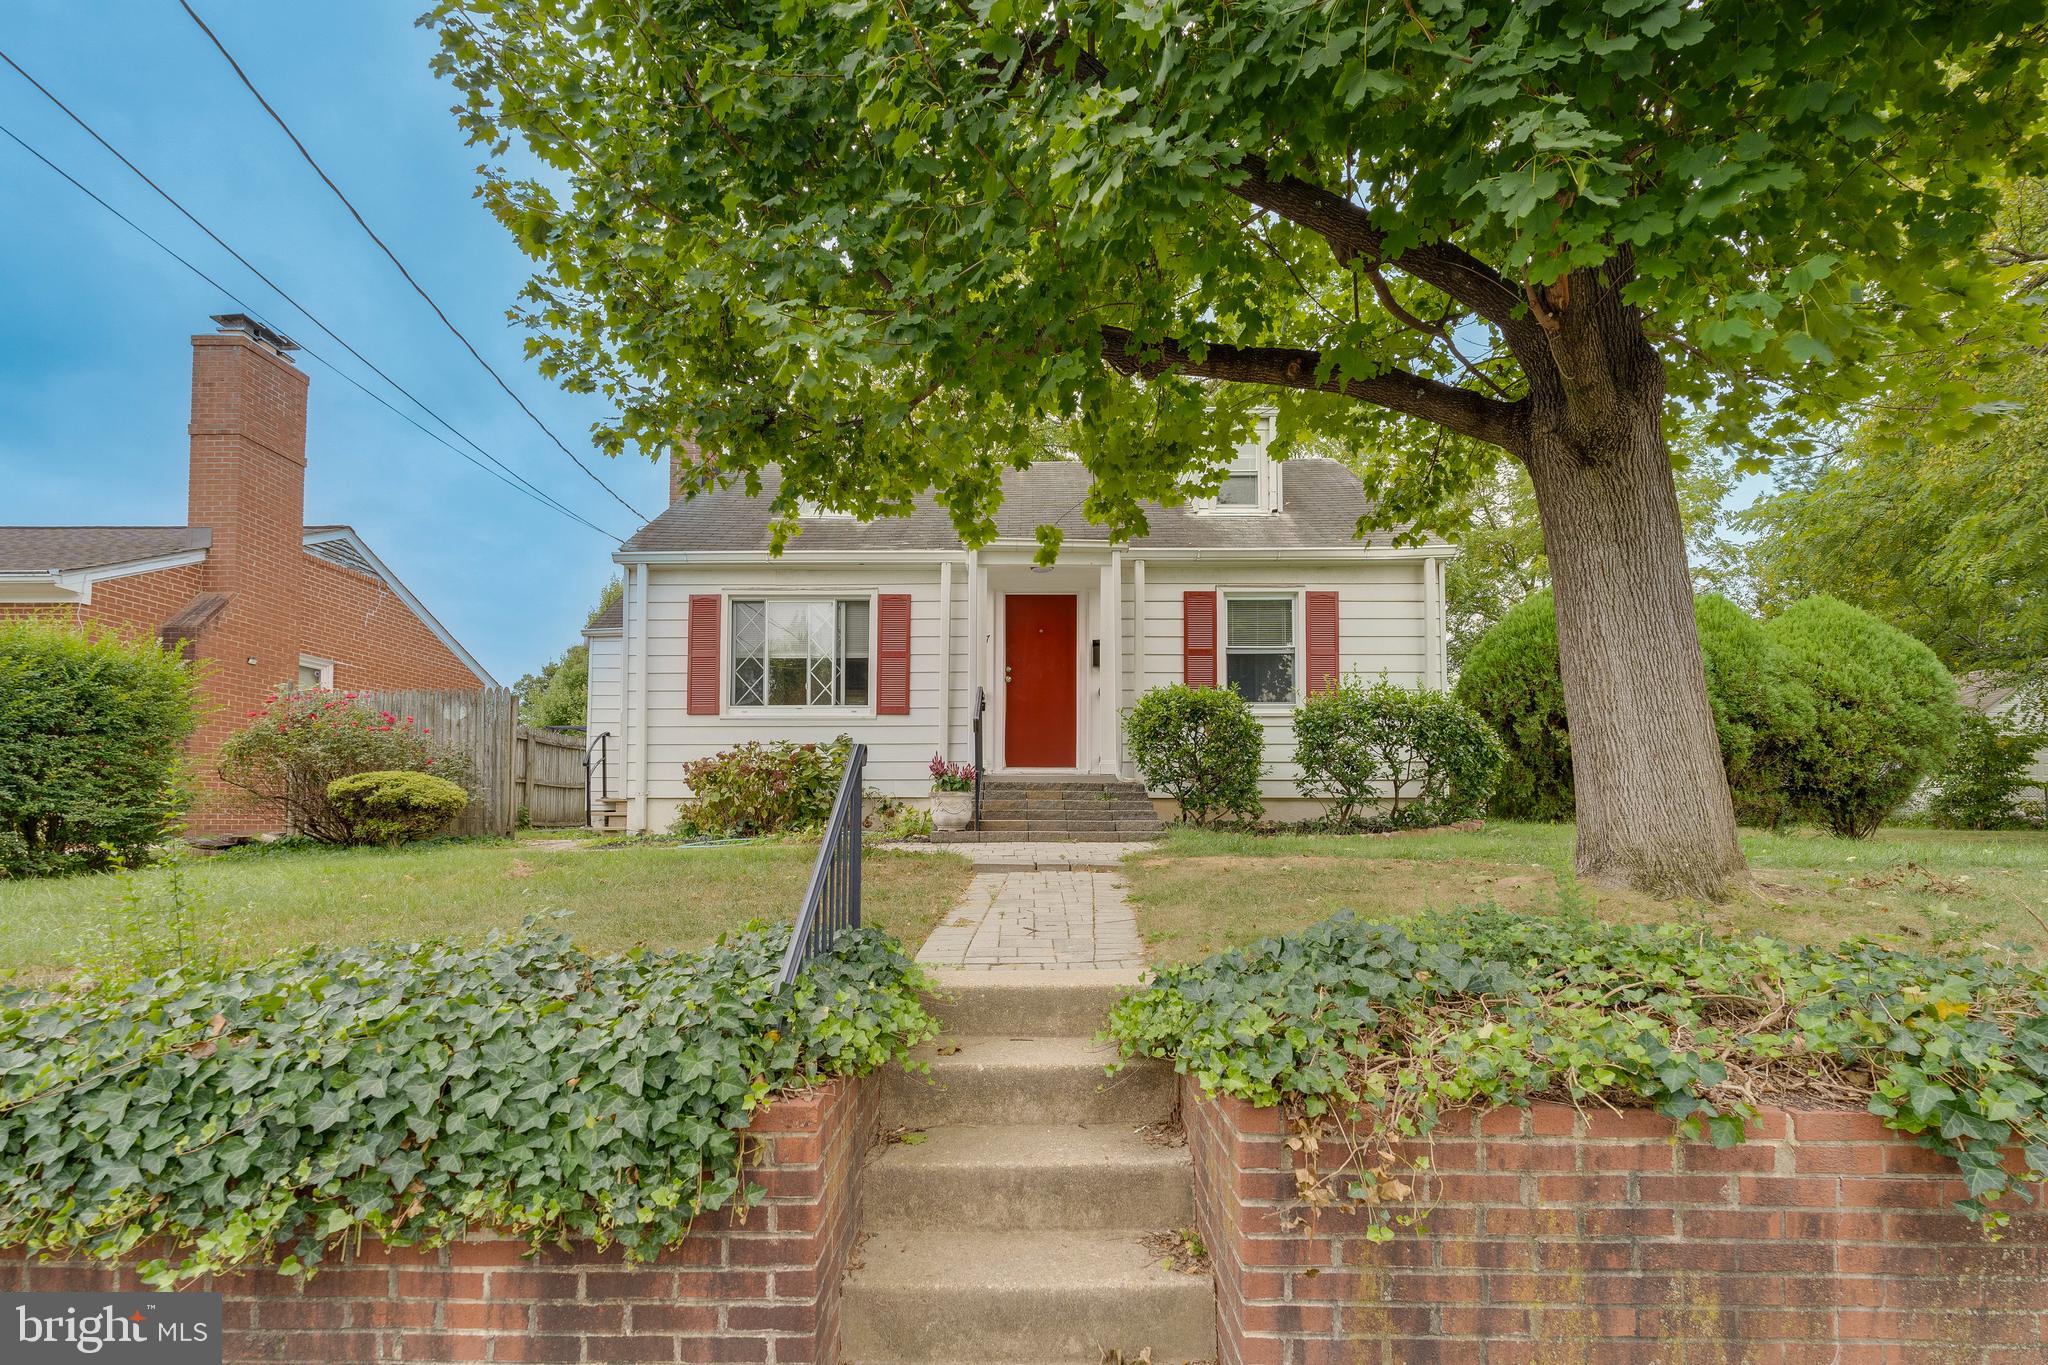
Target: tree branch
1459,410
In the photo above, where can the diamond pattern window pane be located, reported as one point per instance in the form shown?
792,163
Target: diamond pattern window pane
800,652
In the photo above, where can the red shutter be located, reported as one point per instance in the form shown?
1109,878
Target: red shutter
703,647
1198,638
892,654
1322,640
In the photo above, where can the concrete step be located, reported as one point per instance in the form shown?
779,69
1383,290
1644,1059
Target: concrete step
1027,824
1028,1004
981,836
1010,1177
982,1079
1022,1296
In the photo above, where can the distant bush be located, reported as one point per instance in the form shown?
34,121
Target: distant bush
1511,680
92,739
298,743
1885,714
760,788
395,807
1203,747
1761,708
1980,785
1437,760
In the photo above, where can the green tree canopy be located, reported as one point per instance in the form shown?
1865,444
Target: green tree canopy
877,242
560,693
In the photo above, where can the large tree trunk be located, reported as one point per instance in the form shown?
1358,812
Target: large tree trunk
1654,809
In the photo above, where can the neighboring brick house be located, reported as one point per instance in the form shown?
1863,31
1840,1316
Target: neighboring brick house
246,585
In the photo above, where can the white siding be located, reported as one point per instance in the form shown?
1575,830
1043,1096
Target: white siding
900,748
1380,628
602,703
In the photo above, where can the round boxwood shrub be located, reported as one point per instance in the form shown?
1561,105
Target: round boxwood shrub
1203,747
92,738
298,743
1427,753
395,807
1761,708
1885,713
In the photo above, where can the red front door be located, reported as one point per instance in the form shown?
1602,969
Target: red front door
1038,681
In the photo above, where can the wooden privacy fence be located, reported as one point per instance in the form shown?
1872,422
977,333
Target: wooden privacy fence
548,770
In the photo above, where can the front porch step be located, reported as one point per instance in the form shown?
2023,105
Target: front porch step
1035,1178
1027,1004
1022,1296
976,836
980,1079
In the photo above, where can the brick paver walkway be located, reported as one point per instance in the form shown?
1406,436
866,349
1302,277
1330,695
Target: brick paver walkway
1038,921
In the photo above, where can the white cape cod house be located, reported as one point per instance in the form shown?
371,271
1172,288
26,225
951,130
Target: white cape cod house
890,630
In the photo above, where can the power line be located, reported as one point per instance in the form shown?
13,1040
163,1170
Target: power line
417,288
282,293
157,242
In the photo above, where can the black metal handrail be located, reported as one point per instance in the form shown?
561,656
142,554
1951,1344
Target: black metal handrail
597,775
980,706
832,902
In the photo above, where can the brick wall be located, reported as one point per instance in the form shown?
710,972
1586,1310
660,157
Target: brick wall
764,1289
371,635
1560,1237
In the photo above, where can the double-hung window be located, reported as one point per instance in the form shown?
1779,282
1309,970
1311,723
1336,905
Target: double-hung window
800,651
1241,484
1258,646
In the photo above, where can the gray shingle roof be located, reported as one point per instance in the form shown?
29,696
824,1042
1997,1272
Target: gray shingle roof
36,549
612,617
1322,499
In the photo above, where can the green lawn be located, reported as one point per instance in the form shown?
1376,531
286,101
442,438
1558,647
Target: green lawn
1197,892
258,902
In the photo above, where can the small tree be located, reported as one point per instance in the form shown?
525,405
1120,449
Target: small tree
1429,750
1203,747
1980,785
1885,714
92,732
300,742
756,788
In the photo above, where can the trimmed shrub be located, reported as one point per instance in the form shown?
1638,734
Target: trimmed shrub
300,742
1434,757
92,739
1761,708
1203,747
395,807
279,1112
1980,785
1885,714
756,788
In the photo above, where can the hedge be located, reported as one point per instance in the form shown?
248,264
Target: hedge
92,735
245,1115
1203,747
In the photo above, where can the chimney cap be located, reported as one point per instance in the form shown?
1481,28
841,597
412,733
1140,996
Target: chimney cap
261,333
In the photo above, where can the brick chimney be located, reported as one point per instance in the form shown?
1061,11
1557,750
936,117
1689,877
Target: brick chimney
248,486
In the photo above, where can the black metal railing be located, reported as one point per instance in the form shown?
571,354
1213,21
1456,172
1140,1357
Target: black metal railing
832,902
980,709
597,774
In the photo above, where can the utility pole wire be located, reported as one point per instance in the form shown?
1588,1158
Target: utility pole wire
417,288
230,294
281,292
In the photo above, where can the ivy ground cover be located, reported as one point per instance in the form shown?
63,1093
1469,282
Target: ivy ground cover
205,1117
1366,1031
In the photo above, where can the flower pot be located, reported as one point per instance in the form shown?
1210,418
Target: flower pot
952,810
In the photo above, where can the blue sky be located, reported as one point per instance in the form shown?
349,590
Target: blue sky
95,361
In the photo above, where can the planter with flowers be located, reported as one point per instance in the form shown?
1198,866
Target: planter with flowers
952,794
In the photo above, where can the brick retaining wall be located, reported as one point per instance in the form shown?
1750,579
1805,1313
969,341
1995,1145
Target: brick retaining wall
764,1289
1561,1237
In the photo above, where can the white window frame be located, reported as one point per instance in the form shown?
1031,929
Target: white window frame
324,667
728,657
807,510
1295,599
1267,468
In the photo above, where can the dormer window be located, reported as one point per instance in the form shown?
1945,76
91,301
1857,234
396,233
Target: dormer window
1252,485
